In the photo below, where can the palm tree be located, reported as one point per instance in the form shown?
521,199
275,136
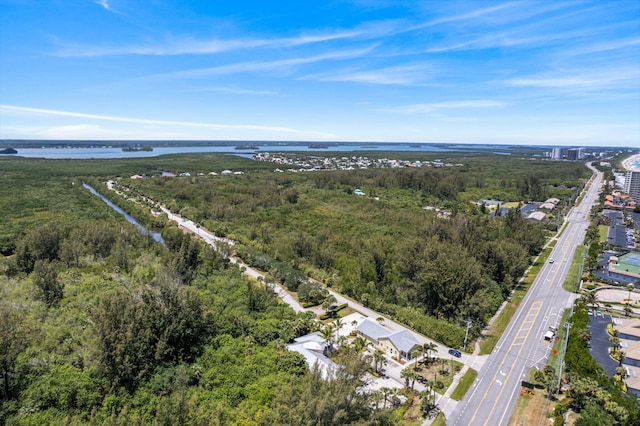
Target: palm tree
379,360
406,375
327,334
409,377
615,342
430,347
338,324
414,355
328,301
590,298
622,357
393,394
359,343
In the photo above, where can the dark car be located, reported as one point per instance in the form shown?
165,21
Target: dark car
455,353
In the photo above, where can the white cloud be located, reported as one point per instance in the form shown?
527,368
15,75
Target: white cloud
449,105
190,46
103,3
169,123
261,66
232,91
406,75
592,80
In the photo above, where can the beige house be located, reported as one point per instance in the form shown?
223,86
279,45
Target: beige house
399,344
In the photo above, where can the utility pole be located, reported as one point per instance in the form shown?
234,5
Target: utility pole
466,334
564,350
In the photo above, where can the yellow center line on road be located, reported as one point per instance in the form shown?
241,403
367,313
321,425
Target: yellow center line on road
534,311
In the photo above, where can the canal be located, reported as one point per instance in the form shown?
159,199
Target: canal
156,235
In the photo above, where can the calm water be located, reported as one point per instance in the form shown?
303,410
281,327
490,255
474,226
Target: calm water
106,152
156,235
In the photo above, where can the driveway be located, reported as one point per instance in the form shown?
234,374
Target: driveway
600,343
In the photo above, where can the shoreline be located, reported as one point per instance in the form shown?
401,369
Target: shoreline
627,163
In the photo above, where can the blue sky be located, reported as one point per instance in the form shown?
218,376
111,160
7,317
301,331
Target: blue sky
515,72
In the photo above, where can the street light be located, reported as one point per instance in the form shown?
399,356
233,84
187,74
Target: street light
629,287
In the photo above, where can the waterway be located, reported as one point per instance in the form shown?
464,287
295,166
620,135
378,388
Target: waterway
106,151
156,235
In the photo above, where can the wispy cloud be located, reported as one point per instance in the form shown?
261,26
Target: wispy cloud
232,91
448,105
405,75
143,121
190,46
107,6
103,3
592,80
281,64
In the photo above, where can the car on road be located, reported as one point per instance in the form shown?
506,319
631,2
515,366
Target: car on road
455,353
551,260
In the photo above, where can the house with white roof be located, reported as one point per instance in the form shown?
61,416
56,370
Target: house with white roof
314,349
399,343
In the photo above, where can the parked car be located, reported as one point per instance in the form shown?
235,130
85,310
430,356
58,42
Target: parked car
455,353
590,312
599,313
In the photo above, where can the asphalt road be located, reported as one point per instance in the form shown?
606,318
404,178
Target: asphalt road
492,397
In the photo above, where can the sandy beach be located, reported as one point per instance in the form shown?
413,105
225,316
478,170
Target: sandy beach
629,161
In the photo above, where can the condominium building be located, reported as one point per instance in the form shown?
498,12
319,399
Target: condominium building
632,184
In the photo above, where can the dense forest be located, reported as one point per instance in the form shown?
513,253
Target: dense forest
384,249
99,324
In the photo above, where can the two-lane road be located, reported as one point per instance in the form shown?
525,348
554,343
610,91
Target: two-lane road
492,397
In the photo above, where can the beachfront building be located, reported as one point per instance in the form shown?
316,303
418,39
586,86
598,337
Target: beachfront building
632,184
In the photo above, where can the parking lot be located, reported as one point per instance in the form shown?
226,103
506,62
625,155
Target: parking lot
600,343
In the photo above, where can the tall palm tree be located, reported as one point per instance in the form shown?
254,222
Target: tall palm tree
379,360
337,325
406,375
430,347
415,354
327,335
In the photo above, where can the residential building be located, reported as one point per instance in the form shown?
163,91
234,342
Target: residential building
632,184
314,349
575,154
399,344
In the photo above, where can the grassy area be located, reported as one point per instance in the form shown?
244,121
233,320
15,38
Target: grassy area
558,347
604,233
500,324
439,420
529,408
440,370
464,384
571,283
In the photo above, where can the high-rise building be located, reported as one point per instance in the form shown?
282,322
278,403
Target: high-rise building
575,154
556,154
632,184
